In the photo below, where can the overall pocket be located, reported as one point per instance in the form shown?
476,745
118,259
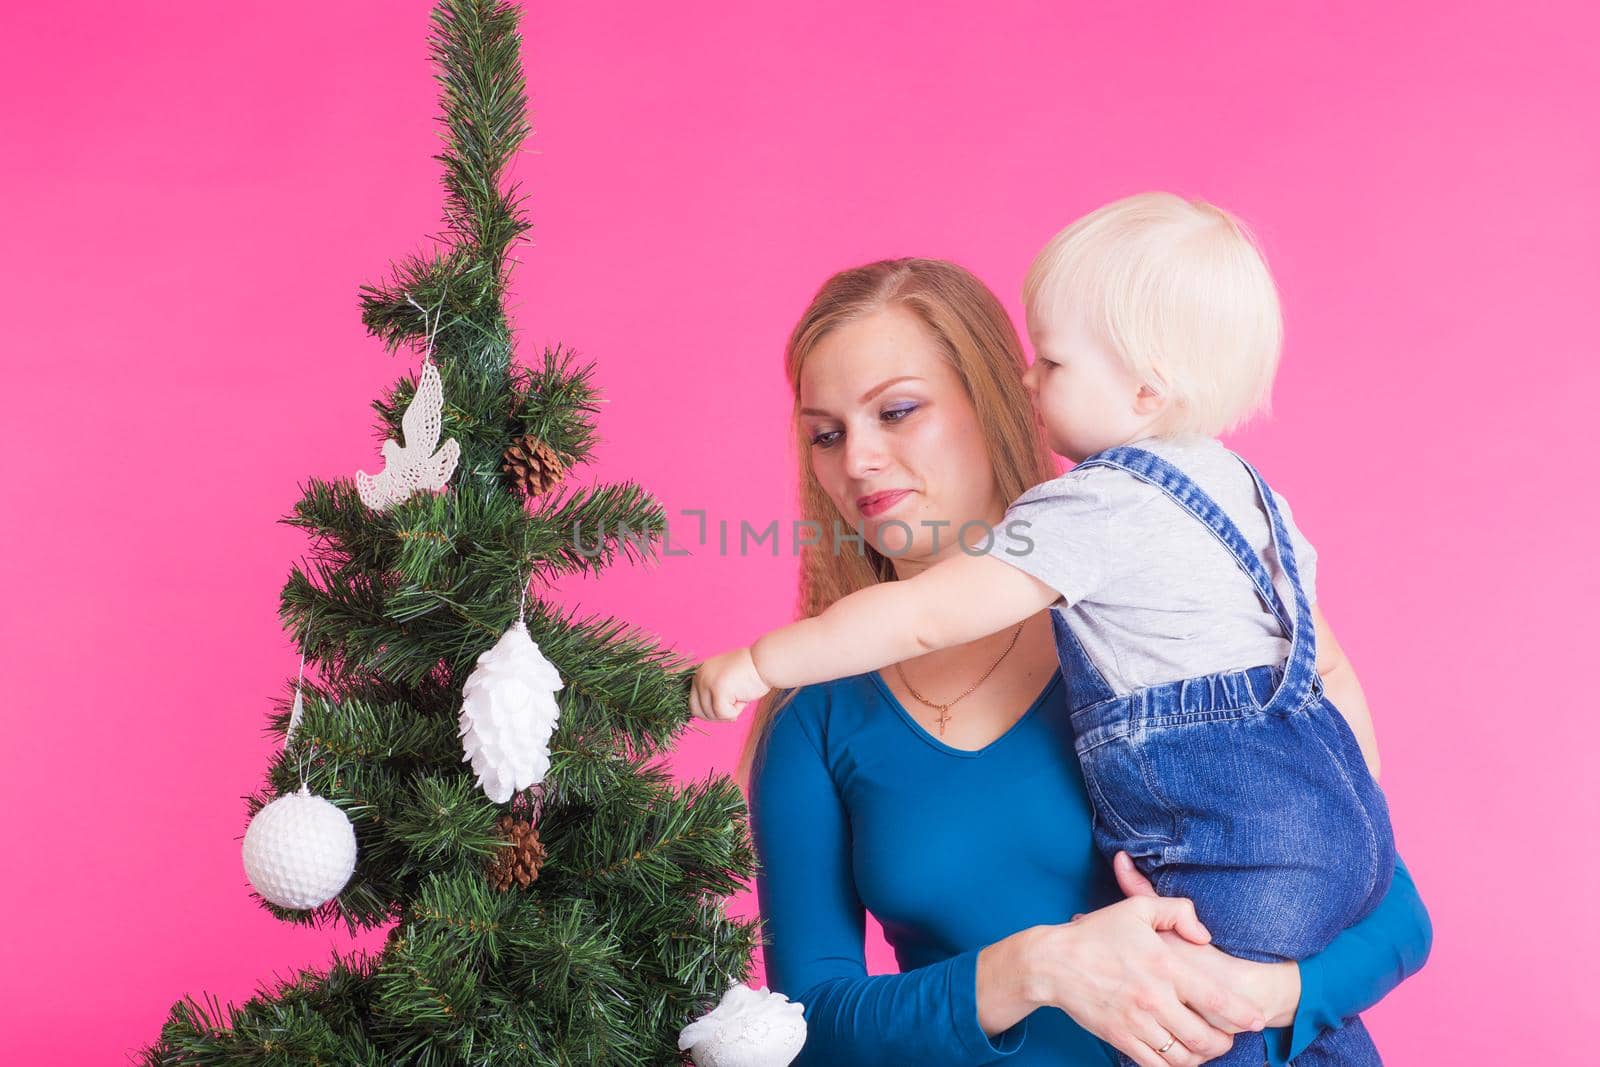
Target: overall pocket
1122,794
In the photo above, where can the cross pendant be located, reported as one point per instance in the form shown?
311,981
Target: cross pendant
944,717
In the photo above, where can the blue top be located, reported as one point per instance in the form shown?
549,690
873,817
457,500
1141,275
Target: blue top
855,807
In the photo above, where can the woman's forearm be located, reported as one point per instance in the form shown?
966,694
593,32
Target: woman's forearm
1005,996
1360,967
1276,987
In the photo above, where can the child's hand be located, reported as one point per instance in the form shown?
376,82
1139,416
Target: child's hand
724,685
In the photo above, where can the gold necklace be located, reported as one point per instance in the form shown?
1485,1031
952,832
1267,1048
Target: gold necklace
944,709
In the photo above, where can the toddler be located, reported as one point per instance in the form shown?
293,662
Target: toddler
1223,736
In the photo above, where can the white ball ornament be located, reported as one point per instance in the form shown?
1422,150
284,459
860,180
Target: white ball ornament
299,851
508,713
747,1028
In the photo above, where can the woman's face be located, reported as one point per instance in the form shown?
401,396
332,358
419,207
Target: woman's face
884,412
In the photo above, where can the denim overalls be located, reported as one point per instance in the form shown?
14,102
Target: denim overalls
1245,791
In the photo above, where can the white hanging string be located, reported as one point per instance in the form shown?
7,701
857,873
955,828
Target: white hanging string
522,604
438,317
296,714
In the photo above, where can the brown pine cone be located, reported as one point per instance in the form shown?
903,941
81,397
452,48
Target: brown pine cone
519,861
534,466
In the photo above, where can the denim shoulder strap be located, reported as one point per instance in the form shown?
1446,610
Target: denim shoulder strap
1085,685
1300,670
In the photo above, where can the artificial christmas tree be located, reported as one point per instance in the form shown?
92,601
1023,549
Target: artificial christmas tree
577,920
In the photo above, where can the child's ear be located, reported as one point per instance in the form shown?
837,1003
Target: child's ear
1154,395
1149,401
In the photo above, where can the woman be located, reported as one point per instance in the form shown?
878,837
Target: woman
944,795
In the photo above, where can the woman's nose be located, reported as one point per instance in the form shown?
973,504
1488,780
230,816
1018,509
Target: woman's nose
863,454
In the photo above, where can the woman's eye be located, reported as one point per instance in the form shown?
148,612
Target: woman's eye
828,437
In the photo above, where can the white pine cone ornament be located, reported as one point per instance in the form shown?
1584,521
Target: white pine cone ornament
299,851
508,713
747,1028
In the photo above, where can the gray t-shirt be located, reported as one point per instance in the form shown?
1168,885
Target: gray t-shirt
1146,587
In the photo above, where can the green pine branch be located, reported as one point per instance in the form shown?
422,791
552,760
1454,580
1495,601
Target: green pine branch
477,51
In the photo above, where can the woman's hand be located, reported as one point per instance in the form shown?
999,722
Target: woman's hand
724,685
1115,974
1274,987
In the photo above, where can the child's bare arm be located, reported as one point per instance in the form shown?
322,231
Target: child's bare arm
1344,688
953,602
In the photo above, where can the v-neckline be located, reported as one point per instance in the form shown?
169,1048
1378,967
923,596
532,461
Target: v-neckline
966,753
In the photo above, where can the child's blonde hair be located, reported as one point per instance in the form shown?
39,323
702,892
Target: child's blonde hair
1180,291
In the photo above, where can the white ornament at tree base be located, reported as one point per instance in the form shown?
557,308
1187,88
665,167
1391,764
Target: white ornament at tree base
414,465
747,1028
299,851
508,713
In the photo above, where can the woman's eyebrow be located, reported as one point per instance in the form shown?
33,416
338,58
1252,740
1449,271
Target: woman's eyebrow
870,393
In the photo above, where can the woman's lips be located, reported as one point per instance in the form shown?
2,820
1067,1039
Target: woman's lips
880,502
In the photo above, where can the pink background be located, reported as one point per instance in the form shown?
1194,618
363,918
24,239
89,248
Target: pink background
195,193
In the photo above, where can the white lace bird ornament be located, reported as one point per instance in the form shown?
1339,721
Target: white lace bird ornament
415,465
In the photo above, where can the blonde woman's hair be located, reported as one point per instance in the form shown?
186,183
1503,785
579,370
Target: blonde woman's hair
1180,291
970,326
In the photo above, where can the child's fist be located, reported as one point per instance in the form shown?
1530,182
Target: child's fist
724,685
